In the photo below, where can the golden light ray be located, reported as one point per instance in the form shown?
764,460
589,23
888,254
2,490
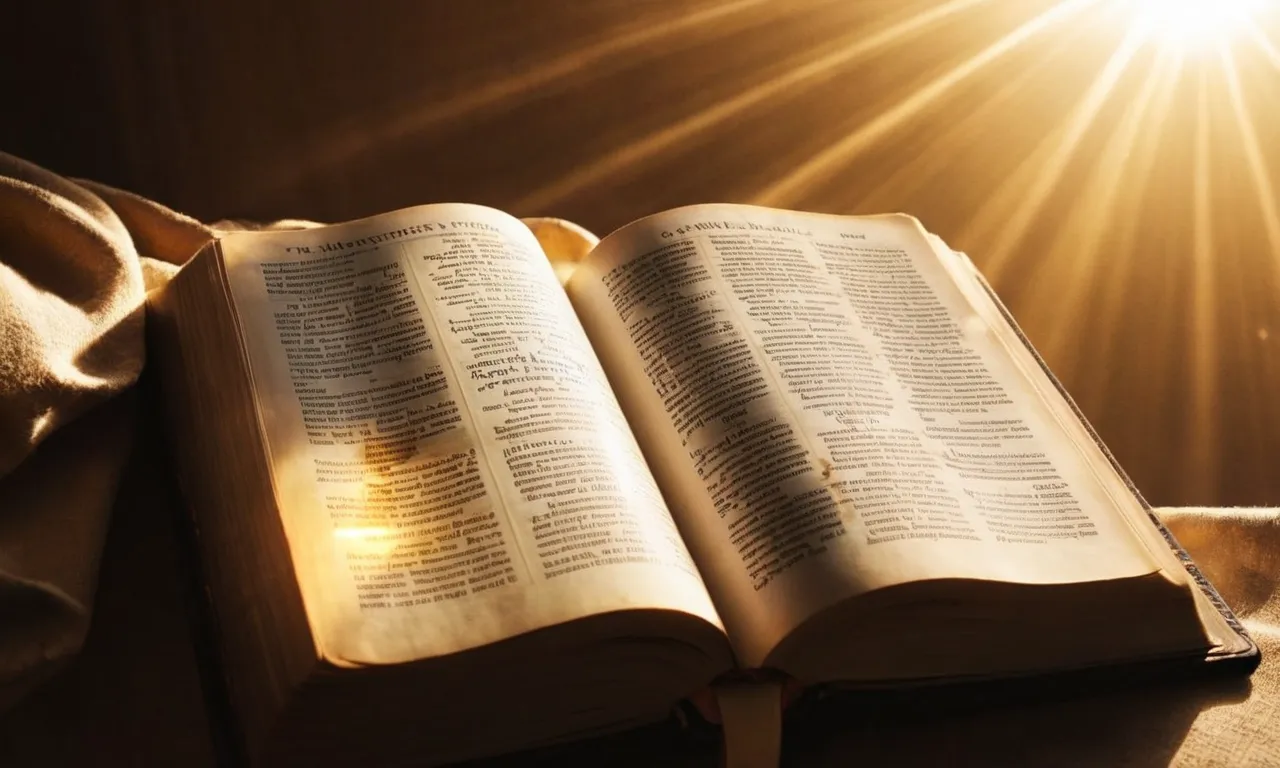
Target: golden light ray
1261,40
1096,217
1202,471
1262,185
1264,192
922,167
1133,176
848,50
781,192
338,150
1063,149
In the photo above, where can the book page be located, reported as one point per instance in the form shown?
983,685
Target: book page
450,465
827,414
969,280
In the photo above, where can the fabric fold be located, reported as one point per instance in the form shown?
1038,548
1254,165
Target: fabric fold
77,259
74,271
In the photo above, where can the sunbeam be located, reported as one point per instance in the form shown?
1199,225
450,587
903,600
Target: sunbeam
922,168
784,190
1262,185
1259,38
1126,169
847,50
1098,217
1062,150
339,148
1204,423
1260,388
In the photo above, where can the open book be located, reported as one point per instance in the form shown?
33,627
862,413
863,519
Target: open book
450,507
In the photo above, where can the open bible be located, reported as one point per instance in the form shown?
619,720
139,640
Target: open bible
451,503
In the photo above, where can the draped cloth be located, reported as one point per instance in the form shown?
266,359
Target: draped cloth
76,261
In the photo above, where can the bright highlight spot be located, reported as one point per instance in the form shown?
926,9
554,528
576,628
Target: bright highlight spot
362,533
1189,25
367,540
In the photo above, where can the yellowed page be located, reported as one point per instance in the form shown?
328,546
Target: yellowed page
827,414
967,279
450,465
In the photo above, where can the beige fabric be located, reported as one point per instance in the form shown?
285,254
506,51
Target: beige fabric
1239,550
75,260
72,280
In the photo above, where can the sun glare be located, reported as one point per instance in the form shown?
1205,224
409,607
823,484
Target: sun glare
1191,25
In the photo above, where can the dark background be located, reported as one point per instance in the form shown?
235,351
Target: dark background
1121,202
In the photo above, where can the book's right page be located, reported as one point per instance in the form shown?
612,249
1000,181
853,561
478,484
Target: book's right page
1230,641
829,413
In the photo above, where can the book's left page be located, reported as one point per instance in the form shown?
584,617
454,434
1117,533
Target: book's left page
450,465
